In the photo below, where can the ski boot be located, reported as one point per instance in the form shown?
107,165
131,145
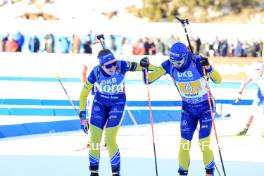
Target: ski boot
182,172
243,132
116,174
209,172
94,174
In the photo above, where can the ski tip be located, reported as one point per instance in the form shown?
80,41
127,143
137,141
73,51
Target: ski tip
233,135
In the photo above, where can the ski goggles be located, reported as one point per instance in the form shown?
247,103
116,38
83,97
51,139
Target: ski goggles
108,66
177,57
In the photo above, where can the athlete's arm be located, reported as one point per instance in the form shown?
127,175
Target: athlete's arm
210,71
242,87
87,87
84,94
214,76
244,84
134,66
154,75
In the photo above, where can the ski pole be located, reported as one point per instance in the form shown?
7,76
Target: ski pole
101,39
151,122
70,100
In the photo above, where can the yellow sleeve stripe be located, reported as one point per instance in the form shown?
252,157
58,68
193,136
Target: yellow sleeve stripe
156,73
138,68
84,94
215,77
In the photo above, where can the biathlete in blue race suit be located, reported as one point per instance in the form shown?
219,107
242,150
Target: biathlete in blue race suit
107,81
186,70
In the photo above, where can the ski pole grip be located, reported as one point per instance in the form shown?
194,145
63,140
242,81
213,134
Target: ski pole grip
182,21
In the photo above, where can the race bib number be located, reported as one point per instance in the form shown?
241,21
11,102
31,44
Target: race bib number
190,88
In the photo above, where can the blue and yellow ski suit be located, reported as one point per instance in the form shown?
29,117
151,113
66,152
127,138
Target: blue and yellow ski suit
191,85
107,110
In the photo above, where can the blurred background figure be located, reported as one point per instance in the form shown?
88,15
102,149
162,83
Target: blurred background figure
19,38
112,44
87,45
11,45
238,50
126,47
160,47
198,45
49,43
64,44
257,77
34,44
150,47
1,44
96,46
76,44
138,47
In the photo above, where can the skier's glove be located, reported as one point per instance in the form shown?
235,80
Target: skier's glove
84,122
204,61
144,62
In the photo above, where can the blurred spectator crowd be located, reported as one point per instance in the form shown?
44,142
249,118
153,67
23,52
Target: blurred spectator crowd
76,44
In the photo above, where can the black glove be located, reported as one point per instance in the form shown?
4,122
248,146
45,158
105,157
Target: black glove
204,61
84,122
100,36
144,62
